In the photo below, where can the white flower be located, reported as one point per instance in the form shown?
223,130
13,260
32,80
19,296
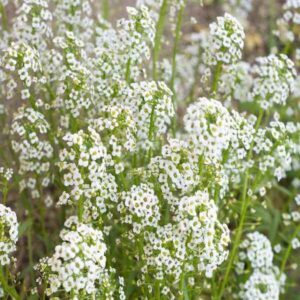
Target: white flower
9,234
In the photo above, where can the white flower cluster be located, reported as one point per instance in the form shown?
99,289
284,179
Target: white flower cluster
22,66
6,173
8,234
239,9
76,15
274,78
120,52
152,107
274,148
210,128
135,33
264,281
288,24
78,264
227,41
197,242
32,23
140,207
31,133
74,91
118,130
261,286
236,82
84,165
175,170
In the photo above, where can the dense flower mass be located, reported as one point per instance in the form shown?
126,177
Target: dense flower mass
274,80
8,234
227,41
78,264
149,152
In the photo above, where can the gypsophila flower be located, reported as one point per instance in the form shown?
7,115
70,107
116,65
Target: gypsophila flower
140,207
260,286
256,257
174,246
6,173
287,25
22,66
274,78
210,128
84,164
258,250
297,199
226,41
239,8
31,132
295,243
78,264
8,234
151,104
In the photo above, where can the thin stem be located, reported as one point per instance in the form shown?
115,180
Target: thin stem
175,47
127,75
4,17
288,250
151,130
30,251
157,290
174,63
217,75
5,192
158,35
80,209
245,204
10,290
105,9
272,20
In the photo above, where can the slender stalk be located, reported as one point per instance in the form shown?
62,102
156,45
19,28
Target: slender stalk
4,17
127,75
30,252
151,130
272,20
80,209
216,78
4,192
245,204
288,250
174,64
175,46
158,35
157,291
105,9
10,290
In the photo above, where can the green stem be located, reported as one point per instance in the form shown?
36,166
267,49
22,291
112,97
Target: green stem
175,47
288,250
30,251
157,291
80,209
272,21
151,130
245,204
158,35
7,288
4,17
105,9
174,64
217,75
127,75
5,192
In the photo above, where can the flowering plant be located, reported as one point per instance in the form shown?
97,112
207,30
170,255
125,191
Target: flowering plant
145,158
